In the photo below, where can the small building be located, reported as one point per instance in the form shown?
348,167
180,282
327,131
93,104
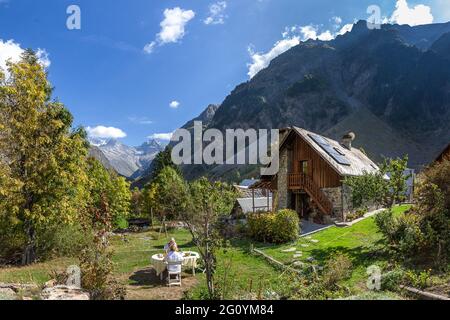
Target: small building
245,206
311,174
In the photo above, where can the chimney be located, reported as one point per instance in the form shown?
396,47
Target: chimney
347,140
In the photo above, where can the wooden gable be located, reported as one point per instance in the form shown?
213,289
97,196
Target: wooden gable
323,174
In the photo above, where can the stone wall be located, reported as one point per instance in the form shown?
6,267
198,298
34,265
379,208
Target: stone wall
335,196
282,188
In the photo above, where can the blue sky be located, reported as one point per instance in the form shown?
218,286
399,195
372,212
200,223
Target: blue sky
196,57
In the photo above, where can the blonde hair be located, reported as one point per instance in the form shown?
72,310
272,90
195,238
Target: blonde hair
173,247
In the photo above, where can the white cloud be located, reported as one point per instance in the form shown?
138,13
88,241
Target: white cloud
173,28
161,136
140,120
43,57
216,13
337,20
262,60
11,50
413,16
174,104
292,36
105,132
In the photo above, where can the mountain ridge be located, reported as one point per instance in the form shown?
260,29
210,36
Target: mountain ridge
395,81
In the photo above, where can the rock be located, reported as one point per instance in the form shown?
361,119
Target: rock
64,293
7,294
50,283
298,264
298,255
310,259
289,250
314,241
305,245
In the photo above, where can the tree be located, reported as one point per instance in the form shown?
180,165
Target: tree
107,184
168,194
207,203
41,156
137,202
376,188
163,160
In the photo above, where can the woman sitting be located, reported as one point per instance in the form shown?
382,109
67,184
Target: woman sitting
173,256
167,245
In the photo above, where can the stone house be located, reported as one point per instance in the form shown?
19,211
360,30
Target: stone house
311,174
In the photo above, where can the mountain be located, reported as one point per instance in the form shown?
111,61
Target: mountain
128,161
390,86
96,153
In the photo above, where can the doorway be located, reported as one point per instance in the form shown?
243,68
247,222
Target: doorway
302,205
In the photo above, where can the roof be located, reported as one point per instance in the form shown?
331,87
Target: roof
444,152
247,182
246,192
246,204
359,162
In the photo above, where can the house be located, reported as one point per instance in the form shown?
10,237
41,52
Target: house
445,154
311,174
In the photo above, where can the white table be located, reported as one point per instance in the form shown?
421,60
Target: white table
188,262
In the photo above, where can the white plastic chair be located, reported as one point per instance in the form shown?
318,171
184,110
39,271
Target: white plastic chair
174,272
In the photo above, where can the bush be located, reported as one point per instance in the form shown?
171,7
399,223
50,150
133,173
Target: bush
357,214
280,227
61,240
424,232
392,280
337,269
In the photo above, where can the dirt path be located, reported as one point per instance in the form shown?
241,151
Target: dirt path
146,285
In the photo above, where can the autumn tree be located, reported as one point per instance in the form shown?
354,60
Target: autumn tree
42,158
167,194
113,188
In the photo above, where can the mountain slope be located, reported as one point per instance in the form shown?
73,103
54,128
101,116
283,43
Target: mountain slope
130,162
390,86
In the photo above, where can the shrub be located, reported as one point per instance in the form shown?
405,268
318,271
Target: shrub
260,226
357,214
392,280
337,269
286,226
280,227
419,280
424,232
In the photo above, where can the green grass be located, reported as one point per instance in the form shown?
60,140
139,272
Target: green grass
239,273
237,268
362,243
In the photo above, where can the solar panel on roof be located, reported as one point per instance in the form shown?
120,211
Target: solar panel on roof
332,152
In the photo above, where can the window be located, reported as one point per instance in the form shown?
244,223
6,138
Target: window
304,167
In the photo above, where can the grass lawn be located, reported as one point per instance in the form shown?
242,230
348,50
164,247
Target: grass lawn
237,268
239,274
362,243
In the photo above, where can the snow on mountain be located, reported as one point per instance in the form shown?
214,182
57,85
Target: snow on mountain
128,161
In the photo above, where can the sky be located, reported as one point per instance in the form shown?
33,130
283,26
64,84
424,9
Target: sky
139,69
